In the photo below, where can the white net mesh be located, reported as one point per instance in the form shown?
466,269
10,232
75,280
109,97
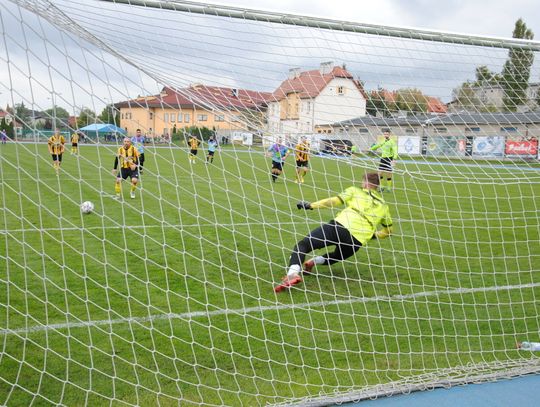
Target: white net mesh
169,296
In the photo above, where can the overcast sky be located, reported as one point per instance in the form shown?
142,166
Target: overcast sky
479,17
180,48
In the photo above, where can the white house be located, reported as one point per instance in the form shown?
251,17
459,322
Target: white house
311,99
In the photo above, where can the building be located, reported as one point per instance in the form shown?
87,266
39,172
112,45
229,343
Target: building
310,101
512,135
224,110
491,98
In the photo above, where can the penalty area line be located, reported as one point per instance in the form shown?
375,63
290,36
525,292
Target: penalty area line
188,316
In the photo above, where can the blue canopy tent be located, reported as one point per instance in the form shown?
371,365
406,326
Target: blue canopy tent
109,132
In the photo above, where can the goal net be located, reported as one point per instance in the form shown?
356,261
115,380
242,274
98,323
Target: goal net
162,289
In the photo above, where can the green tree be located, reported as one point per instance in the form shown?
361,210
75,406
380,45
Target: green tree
110,114
411,100
484,76
58,116
380,103
517,69
22,114
86,116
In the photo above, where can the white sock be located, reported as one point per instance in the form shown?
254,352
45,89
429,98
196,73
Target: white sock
319,260
294,270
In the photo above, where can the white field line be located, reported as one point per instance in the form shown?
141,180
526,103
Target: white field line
188,316
193,225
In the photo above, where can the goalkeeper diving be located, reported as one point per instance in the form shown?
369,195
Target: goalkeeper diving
366,216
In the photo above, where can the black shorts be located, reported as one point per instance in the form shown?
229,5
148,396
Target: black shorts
302,164
74,144
193,152
385,164
277,166
211,152
56,157
128,172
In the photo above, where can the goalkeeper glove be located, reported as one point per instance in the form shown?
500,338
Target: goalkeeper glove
304,205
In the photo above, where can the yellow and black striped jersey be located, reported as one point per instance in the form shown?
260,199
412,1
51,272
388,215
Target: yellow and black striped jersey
301,151
56,144
193,143
74,138
127,157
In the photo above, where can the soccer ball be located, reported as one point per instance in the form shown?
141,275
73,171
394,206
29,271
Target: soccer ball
87,207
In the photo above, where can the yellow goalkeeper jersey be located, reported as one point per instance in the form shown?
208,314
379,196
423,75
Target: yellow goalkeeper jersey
365,210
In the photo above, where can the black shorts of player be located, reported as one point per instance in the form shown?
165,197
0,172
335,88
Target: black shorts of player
210,152
385,164
193,152
302,164
56,157
74,144
128,172
330,234
277,166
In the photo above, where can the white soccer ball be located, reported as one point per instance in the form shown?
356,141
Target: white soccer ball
87,207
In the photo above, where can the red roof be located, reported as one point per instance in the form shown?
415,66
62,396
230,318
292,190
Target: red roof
202,96
310,84
436,106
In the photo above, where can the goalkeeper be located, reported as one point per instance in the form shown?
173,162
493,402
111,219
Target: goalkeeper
388,150
352,228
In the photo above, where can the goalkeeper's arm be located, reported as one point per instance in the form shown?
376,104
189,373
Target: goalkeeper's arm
327,203
323,203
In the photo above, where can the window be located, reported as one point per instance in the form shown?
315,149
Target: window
308,107
235,119
122,115
166,117
187,118
509,129
219,118
173,117
341,90
179,117
151,115
363,130
441,129
202,117
475,129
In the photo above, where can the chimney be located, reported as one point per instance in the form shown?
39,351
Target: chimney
234,92
326,67
294,73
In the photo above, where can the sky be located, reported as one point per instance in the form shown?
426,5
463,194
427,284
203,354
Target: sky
179,49
470,17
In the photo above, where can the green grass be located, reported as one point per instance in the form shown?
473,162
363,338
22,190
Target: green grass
176,285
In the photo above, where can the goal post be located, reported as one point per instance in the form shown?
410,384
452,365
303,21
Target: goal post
162,290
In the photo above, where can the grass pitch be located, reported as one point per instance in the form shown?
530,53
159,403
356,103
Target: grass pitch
169,296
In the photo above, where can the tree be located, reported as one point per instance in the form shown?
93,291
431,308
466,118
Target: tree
484,76
58,116
86,116
517,70
110,114
411,100
466,98
22,113
380,102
